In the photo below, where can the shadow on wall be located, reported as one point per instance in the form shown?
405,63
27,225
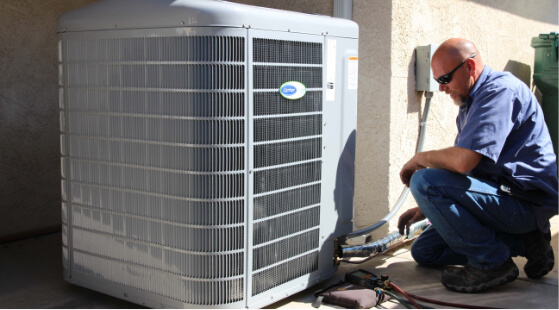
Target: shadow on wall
521,70
544,11
345,185
414,97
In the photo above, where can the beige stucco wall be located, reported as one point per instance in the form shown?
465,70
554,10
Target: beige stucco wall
389,108
29,130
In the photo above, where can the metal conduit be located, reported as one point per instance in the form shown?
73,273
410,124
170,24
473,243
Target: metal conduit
405,191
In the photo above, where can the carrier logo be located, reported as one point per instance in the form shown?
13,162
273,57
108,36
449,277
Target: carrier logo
293,90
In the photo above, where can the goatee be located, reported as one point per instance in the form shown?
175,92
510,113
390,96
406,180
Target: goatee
459,102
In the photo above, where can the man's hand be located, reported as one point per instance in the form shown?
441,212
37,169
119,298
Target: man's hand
409,169
409,217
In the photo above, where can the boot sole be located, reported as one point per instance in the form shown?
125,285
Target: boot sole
548,266
482,287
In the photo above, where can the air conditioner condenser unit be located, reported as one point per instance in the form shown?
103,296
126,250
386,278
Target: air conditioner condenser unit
207,150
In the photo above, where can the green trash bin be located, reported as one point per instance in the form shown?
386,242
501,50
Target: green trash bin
545,79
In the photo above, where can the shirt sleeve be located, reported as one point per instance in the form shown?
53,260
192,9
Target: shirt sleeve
488,122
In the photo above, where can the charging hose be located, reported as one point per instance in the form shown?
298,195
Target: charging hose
401,291
410,297
403,301
406,190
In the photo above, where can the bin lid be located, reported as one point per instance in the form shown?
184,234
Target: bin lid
545,40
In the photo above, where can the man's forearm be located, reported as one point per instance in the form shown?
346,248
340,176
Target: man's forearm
455,159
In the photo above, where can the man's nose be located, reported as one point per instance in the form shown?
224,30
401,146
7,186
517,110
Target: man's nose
442,87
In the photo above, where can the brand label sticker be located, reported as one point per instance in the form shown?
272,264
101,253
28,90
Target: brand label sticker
293,90
352,68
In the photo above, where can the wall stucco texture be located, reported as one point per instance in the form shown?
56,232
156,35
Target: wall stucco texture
29,116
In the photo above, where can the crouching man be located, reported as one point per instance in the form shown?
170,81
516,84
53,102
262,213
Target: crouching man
491,195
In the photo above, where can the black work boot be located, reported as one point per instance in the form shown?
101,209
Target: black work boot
469,279
539,254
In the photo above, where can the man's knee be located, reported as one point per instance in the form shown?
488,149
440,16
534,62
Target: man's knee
422,179
427,254
424,254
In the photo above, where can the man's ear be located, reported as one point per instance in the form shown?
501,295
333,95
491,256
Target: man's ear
471,65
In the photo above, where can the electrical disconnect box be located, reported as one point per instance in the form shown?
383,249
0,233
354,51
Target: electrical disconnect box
423,74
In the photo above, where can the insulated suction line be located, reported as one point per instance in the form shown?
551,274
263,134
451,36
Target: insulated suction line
375,248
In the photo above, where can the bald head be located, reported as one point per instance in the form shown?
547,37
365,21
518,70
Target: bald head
459,64
455,50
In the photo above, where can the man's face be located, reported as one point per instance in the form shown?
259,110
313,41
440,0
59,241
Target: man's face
459,86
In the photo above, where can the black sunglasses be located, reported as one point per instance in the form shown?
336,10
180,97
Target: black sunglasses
445,79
